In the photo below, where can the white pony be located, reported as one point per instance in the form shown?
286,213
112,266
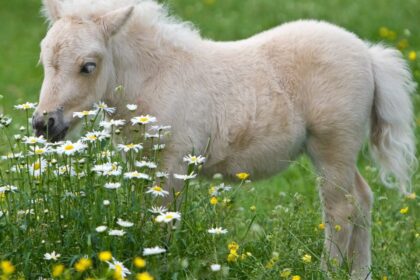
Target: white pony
256,104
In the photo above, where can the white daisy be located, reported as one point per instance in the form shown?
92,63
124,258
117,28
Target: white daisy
4,121
101,229
51,256
34,140
148,164
185,177
26,106
12,156
150,136
112,186
158,209
136,175
132,107
129,147
217,230
69,148
153,251
160,127
196,160
108,169
116,232
102,106
158,147
38,167
65,170
106,202
36,150
157,191
8,188
119,266
84,114
124,223
215,267
162,174
94,136
110,123
168,217
217,190
143,120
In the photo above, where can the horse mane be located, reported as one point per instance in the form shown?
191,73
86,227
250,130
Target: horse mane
147,13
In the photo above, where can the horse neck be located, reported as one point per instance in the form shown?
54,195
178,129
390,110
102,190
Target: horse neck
139,58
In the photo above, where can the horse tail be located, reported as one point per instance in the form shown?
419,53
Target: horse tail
392,125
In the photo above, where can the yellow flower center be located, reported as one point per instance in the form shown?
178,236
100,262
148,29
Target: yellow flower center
143,119
157,189
92,137
69,147
85,113
169,217
37,165
130,146
39,151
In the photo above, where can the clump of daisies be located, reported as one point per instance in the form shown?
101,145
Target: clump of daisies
91,194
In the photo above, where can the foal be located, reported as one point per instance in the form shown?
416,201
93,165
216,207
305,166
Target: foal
256,104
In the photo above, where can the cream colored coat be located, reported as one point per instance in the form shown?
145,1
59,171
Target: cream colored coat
305,86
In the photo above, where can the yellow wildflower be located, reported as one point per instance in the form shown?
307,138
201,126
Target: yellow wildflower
253,208
213,200
337,228
392,35
233,246
285,273
7,267
57,270
412,55
411,196
139,262
321,226
105,256
242,176
83,264
402,44
233,256
118,272
385,278
307,258
383,32
144,276
404,210
296,277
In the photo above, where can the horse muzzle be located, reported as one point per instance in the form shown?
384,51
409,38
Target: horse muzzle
50,125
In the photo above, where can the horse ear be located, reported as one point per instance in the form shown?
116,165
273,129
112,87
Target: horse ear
113,21
51,10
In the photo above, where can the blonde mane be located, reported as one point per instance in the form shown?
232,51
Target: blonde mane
147,13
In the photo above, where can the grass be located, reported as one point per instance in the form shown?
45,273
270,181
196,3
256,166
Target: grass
276,220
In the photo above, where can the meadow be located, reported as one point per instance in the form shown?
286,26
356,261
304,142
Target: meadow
79,211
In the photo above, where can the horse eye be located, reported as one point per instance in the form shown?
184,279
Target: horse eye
88,68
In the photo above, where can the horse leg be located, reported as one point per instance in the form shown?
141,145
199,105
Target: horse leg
335,159
359,247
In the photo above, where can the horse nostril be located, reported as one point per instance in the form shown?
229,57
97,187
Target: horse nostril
51,122
38,124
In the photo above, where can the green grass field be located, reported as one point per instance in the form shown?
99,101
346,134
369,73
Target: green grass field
276,220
